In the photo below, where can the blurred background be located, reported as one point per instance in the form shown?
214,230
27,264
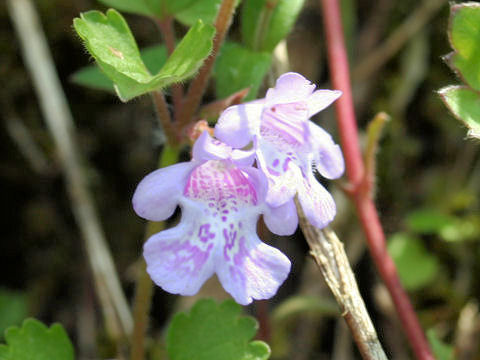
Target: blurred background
427,186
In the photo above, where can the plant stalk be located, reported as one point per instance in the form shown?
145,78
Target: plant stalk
366,210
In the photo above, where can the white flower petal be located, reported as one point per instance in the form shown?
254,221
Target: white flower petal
290,87
321,99
327,155
282,220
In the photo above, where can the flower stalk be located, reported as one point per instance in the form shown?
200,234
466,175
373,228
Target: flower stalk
356,173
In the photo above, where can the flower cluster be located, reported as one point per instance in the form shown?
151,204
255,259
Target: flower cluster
222,195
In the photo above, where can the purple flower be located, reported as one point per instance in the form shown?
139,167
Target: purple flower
288,145
221,197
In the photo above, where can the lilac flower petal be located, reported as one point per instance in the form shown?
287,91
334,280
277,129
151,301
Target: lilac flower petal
207,148
157,195
327,155
320,99
282,172
178,260
258,181
282,220
290,87
249,269
317,203
243,157
236,126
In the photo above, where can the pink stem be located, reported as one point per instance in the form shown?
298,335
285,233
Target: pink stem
366,210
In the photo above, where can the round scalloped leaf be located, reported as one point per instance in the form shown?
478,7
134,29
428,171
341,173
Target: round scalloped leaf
214,332
36,341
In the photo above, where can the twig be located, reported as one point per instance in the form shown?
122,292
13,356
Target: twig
199,84
366,210
164,118
60,123
395,42
168,34
330,256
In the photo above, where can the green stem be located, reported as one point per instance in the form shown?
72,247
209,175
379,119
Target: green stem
263,24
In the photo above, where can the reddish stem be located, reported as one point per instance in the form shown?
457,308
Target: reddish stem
199,84
168,34
366,210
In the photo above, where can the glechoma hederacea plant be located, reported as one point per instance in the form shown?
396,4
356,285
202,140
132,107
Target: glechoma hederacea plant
222,195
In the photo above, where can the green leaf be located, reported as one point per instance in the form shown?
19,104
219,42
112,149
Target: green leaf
205,10
238,68
428,221
266,22
416,267
109,40
156,8
154,58
465,106
464,34
13,309
441,350
214,332
35,341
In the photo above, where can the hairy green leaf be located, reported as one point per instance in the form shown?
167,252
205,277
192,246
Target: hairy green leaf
214,332
238,68
154,58
464,103
266,22
35,341
155,8
110,41
205,10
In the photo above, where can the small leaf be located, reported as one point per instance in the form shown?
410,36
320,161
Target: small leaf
464,34
13,309
205,10
416,267
237,68
465,106
109,40
214,332
35,341
428,221
266,22
154,58
441,350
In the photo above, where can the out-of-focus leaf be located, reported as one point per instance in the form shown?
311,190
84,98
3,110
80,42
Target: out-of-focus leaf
266,22
464,34
34,341
428,221
109,40
154,58
205,10
238,68
416,267
441,350
156,8
13,309
214,332
463,229
464,103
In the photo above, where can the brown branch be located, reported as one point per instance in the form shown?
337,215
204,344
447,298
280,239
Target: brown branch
332,260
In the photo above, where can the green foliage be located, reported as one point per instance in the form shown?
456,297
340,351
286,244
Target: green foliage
214,332
205,10
156,8
266,22
416,267
110,41
441,350
238,68
35,341
13,309
428,221
464,103
153,57
464,35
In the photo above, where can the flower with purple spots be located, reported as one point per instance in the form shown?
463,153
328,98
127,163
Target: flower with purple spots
221,197
288,145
